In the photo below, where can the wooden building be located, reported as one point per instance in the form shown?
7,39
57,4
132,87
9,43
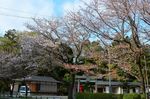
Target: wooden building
97,84
38,84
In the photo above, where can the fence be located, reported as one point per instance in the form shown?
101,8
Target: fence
49,97
7,96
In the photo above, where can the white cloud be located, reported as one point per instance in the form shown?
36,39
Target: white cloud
24,8
32,8
73,6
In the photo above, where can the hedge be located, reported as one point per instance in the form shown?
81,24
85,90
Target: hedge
118,96
108,96
143,96
97,96
131,96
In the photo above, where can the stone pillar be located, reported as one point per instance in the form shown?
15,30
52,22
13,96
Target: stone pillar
107,89
137,90
131,90
120,90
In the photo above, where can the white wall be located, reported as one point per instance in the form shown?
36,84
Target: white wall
116,89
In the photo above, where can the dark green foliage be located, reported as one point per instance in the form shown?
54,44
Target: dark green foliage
12,35
143,96
81,95
95,96
131,96
9,43
120,72
64,53
108,96
62,89
118,96
102,68
4,85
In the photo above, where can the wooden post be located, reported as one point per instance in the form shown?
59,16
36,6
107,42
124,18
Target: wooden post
96,86
78,89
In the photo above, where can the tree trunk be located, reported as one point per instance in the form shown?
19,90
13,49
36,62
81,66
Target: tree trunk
143,85
26,90
71,87
141,75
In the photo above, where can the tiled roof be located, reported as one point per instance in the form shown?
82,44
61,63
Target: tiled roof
38,79
99,81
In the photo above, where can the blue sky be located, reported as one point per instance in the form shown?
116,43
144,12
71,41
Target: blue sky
14,13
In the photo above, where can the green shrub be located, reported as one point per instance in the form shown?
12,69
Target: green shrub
103,96
97,96
81,95
23,97
143,96
118,96
131,96
108,96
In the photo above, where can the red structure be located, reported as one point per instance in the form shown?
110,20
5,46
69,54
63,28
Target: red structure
81,88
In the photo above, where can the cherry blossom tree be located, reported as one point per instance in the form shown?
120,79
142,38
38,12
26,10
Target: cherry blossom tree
107,18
